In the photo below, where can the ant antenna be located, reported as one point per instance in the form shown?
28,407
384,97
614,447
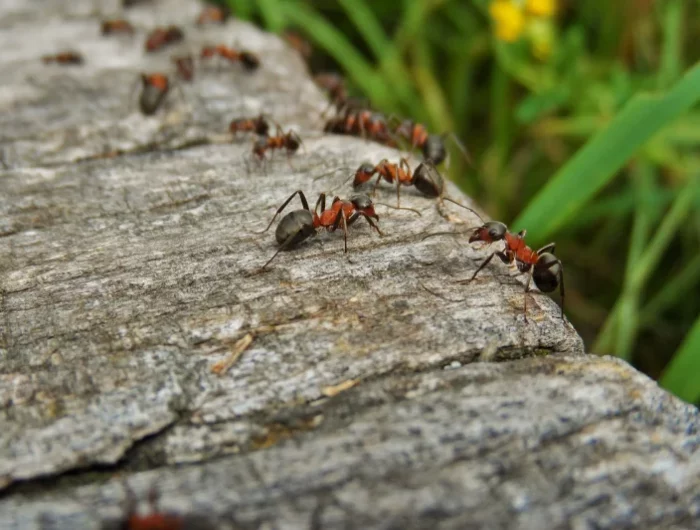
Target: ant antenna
398,208
463,206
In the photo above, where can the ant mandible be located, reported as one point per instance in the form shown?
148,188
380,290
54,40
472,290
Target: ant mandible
258,125
299,225
542,266
289,141
425,178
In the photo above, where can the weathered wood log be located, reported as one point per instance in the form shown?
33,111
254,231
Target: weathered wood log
138,336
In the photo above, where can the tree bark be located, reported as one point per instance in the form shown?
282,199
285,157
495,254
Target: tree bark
141,343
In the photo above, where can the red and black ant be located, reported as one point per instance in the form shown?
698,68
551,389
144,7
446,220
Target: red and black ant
249,60
542,265
299,225
258,125
432,145
161,37
156,520
110,27
363,123
64,58
185,67
425,178
212,15
289,141
154,89
334,84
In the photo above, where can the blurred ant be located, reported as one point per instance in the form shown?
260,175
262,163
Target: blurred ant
289,141
110,27
542,265
425,178
432,145
154,89
212,15
363,123
299,225
156,520
64,58
334,84
161,37
299,43
258,125
249,60
185,67
131,3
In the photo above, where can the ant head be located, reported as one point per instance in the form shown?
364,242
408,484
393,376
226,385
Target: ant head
297,225
547,272
427,180
434,150
363,203
249,61
363,174
491,231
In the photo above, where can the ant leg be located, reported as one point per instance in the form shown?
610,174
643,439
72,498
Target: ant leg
502,255
371,221
284,204
374,188
462,148
527,289
322,201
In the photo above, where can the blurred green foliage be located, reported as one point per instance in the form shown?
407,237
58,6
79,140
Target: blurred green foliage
583,122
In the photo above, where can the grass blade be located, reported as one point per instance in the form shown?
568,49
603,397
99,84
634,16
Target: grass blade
362,74
681,376
598,161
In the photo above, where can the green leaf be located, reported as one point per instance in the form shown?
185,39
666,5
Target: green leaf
681,375
597,162
272,14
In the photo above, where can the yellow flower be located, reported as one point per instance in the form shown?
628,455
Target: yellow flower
541,8
508,18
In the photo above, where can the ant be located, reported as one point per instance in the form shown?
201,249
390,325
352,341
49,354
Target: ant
212,15
542,266
289,141
299,225
155,88
65,58
131,3
249,60
334,84
257,125
425,178
362,122
299,43
161,37
432,145
110,27
185,67
156,520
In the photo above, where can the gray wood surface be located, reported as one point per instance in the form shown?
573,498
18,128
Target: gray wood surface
366,394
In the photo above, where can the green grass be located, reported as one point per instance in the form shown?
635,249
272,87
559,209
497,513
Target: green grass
595,147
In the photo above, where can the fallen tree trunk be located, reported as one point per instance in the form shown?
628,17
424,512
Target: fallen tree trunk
137,331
